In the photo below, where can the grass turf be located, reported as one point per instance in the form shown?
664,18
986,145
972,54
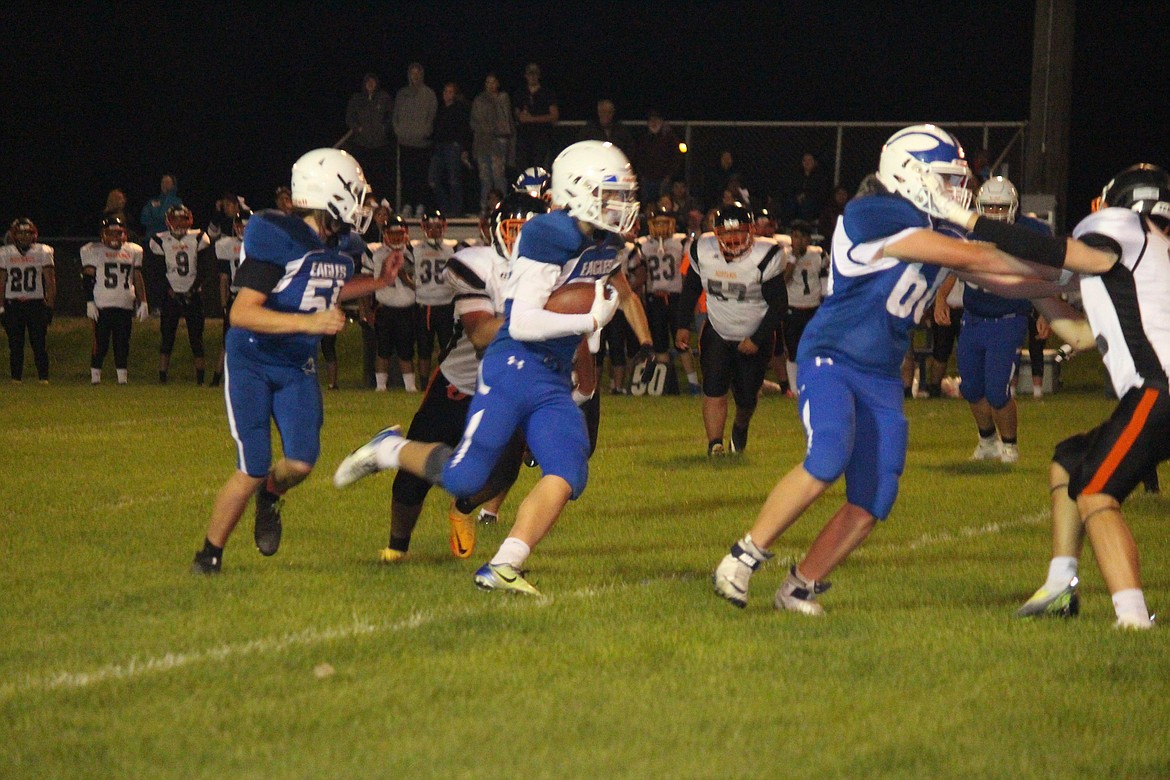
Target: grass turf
115,662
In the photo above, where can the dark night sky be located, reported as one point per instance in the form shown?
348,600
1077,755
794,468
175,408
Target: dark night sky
100,95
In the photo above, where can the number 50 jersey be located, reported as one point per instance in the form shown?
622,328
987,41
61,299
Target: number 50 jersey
873,300
735,296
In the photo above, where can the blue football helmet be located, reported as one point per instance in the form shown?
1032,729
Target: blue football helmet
535,181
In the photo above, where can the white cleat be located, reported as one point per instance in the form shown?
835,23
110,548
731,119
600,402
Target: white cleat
1009,454
363,461
987,449
796,595
1134,623
731,579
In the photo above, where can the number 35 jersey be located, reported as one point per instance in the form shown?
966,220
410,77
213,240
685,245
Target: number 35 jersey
873,300
284,259
735,297
113,273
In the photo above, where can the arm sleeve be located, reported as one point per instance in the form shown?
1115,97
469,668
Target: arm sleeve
259,276
692,289
775,293
531,284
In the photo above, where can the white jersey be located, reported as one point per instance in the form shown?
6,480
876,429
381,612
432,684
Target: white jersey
397,295
227,251
1129,307
25,271
113,273
181,255
664,259
804,286
476,276
735,298
430,281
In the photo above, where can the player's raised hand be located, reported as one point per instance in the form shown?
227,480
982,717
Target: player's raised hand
391,266
327,322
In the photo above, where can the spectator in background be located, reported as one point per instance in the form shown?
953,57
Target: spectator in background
811,189
834,208
367,115
452,139
494,139
415,107
657,158
154,213
688,209
536,113
223,216
283,199
718,176
607,128
116,209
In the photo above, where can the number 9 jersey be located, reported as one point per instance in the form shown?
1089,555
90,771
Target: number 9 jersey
873,300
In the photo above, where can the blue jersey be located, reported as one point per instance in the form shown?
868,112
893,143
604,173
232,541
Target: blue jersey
981,303
555,239
313,274
873,300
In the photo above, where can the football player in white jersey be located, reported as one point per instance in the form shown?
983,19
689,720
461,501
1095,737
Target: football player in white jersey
887,260
742,275
391,310
526,373
185,254
29,285
227,255
111,274
804,267
476,276
434,314
1127,317
663,253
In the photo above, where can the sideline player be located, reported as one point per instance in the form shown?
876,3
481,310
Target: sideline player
29,285
664,251
291,280
182,251
227,254
743,278
434,313
1128,319
111,274
391,309
476,276
806,266
525,377
886,262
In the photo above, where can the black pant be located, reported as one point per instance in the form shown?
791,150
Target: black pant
33,317
415,163
189,307
112,323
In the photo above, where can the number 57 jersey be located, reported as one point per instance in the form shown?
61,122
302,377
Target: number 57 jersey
873,300
735,295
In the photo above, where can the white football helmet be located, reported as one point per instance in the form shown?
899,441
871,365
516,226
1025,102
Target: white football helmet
332,180
998,199
595,182
915,153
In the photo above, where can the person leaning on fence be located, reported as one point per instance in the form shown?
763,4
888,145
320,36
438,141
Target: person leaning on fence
494,139
367,117
415,106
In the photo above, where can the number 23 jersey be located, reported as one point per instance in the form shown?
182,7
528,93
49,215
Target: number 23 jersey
873,300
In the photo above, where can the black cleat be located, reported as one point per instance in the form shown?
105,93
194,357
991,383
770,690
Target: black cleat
738,439
206,563
268,528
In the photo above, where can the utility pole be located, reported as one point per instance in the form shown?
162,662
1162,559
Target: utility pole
1045,184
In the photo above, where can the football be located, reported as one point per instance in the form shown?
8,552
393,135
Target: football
573,298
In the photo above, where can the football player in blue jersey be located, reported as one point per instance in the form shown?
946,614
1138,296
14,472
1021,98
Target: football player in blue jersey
992,331
887,260
525,377
291,278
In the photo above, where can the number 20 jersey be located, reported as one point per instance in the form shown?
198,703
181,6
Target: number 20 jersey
873,300
312,274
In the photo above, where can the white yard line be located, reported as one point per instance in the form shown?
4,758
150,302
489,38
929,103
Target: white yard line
140,667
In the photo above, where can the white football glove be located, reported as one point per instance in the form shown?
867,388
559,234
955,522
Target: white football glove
603,307
91,311
143,312
940,204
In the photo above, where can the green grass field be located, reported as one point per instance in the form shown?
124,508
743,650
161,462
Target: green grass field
116,662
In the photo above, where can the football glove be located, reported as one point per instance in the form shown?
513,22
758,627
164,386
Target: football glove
1063,354
91,311
645,356
604,306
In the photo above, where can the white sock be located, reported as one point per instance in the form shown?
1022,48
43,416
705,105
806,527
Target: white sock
512,551
790,368
1061,571
95,375
1037,391
123,375
1130,606
408,383
380,378
693,377
386,456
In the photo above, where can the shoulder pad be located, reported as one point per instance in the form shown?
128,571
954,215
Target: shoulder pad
878,216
